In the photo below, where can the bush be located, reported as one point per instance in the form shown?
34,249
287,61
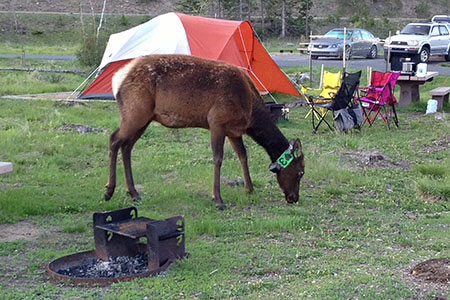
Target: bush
91,50
422,10
124,20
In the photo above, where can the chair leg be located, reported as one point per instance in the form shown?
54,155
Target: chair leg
320,122
371,118
387,116
394,114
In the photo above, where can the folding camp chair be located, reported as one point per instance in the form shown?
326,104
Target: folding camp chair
330,84
378,98
341,100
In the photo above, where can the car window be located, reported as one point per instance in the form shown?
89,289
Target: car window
339,33
416,29
366,35
443,29
357,35
435,30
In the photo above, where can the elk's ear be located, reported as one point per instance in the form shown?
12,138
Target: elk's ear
296,146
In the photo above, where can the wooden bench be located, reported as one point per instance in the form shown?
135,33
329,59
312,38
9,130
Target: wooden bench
5,167
440,94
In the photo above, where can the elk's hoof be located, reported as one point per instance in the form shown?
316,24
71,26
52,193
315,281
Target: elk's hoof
249,191
107,196
137,198
221,207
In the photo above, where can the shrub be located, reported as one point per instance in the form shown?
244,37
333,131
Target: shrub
124,20
91,50
422,10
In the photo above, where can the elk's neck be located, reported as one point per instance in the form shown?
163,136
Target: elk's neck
265,132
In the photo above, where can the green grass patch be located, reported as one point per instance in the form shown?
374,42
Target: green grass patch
352,232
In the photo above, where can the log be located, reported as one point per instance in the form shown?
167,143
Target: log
43,70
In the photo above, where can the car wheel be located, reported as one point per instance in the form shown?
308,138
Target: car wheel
348,53
424,55
314,56
373,52
447,57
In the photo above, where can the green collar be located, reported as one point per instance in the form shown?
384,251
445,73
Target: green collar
286,157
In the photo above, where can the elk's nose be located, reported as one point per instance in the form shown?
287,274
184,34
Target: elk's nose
292,198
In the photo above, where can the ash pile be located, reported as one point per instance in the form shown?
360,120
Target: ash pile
114,267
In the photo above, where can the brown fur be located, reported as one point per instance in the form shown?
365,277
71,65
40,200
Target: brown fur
182,91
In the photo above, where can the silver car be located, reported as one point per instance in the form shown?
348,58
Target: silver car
419,41
359,42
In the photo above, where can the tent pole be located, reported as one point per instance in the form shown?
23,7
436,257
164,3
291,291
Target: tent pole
90,75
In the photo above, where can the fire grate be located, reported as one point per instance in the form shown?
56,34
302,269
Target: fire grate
120,234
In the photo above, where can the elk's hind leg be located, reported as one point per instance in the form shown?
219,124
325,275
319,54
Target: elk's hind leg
217,141
114,145
135,116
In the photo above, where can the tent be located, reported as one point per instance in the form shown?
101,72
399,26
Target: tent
176,33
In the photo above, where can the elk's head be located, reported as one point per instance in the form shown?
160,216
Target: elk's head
290,167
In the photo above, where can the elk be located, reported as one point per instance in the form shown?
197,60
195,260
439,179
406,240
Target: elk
181,91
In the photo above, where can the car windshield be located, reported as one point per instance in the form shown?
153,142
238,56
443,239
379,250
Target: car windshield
339,33
416,29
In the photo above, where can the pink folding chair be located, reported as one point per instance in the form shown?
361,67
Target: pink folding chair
378,98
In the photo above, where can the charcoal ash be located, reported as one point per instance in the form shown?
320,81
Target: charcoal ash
114,267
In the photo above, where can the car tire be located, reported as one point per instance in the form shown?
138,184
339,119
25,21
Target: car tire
447,57
373,52
348,53
424,55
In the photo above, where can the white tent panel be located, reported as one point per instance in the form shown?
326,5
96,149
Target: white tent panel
162,35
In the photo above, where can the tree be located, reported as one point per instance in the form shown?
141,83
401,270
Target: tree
194,7
288,17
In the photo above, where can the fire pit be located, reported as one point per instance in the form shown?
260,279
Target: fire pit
120,253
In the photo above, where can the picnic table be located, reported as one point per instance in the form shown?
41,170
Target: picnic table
409,87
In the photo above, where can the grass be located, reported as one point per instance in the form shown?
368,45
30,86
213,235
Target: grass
355,233
37,33
352,232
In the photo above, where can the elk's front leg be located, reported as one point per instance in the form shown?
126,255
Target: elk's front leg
217,141
114,145
239,148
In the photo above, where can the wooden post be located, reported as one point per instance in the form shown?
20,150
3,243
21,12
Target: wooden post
23,56
321,76
310,60
344,50
369,75
388,58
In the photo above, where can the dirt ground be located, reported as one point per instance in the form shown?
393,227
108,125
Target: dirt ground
144,7
18,231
